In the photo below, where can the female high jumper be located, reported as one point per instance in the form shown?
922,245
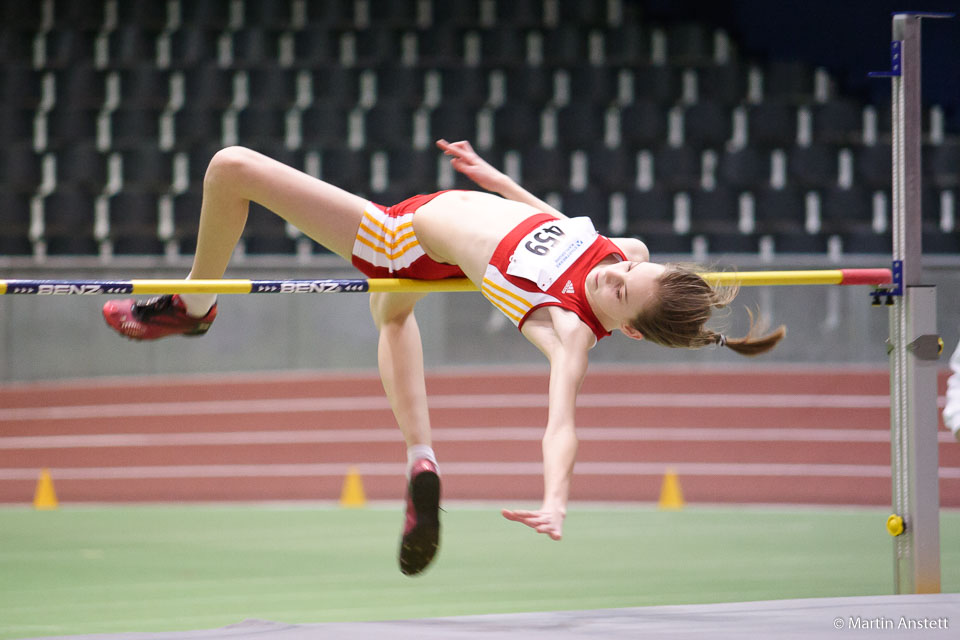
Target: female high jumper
564,285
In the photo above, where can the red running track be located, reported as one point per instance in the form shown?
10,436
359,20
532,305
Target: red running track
751,435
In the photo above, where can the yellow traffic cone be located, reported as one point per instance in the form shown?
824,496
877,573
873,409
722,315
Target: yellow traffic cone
352,494
671,496
45,498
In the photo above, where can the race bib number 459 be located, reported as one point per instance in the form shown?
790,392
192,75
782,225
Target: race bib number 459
545,253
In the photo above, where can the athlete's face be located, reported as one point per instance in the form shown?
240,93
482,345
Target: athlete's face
618,292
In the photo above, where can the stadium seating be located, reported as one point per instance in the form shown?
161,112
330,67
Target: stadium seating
109,112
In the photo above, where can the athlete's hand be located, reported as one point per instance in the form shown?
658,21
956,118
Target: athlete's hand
543,521
465,160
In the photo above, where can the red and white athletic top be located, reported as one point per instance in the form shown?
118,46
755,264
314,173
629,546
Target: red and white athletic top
543,262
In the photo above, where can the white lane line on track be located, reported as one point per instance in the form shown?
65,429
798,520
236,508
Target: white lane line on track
447,434
465,469
450,401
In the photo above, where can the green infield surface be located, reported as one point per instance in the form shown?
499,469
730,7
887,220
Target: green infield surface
168,568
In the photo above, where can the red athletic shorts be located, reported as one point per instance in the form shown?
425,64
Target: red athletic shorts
386,246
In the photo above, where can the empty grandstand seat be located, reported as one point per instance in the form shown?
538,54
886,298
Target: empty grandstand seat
397,14
196,126
727,242
133,128
529,85
81,87
873,166
144,86
643,124
208,14
315,47
374,45
838,121
133,223
268,14
409,172
812,167
627,44
771,124
590,202
544,170
516,125
337,14
254,47
21,86
131,46
941,164
466,86
191,46
452,123
864,241
660,83
843,210
689,43
780,211
598,85
612,169
186,219
388,127
20,167
580,125
16,126
68,216
398,85
940,242
146,15
257,126
745,169
714,211
68,46
707,124
722,83
440,46
272,88
146,169
81,167
565,45
503,46
349,169
266,233
791,243
207,86
337,85
677,167
66,126
790,81
324,124
649,212
519,13
14,222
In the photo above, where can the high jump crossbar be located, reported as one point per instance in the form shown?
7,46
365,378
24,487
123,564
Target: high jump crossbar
875,277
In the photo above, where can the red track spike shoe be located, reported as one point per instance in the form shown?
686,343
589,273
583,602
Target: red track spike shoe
421,531
155,318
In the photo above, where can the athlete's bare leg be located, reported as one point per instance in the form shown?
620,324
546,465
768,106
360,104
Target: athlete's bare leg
236,176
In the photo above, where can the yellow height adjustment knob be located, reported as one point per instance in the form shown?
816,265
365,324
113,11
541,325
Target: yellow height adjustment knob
940,345
894,525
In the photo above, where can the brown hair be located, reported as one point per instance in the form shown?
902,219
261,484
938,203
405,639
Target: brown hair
684,303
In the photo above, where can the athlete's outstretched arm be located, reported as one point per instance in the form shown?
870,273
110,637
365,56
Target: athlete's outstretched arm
465,160
565,340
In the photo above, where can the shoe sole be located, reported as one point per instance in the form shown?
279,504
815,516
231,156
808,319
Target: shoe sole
420,545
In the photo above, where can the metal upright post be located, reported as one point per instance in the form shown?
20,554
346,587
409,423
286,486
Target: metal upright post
914,345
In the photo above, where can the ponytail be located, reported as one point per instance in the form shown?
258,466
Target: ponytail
751,344
684,303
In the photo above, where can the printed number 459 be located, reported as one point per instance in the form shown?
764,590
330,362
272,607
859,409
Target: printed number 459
544,240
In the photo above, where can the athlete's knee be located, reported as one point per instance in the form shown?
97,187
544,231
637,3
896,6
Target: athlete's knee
229,165
392,308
